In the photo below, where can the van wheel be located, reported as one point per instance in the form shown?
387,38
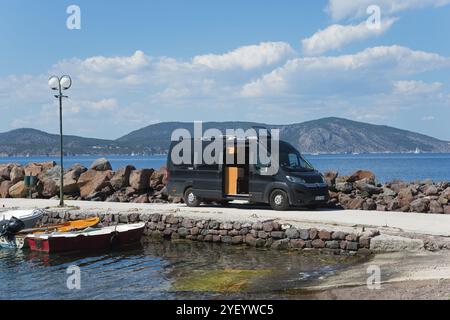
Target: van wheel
191,199
279,200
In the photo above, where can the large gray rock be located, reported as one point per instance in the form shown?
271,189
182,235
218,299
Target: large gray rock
101,164
387,243
17,174
4,188
419,205
93,181
121,178
345,187
140,179
364,186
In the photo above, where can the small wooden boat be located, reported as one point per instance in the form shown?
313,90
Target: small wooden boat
17,240
28,217
86,240
64,227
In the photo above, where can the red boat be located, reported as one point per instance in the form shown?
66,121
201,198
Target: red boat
86,240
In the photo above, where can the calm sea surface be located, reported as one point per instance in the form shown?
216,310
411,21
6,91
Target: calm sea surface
166,270
387,167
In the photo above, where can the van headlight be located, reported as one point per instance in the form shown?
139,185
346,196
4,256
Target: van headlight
296,180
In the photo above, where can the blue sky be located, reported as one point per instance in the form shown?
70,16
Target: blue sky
139,62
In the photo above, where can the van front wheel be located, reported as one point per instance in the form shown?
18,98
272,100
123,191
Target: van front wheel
191,199
279,200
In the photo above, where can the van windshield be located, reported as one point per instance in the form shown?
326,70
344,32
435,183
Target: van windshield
292,160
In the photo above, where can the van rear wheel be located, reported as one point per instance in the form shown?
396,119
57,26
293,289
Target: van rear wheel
191,199
279,200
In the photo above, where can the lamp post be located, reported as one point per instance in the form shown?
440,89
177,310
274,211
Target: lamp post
60,84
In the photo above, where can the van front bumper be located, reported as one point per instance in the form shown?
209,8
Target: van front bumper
309,194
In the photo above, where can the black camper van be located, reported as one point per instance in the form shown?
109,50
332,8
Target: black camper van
296,183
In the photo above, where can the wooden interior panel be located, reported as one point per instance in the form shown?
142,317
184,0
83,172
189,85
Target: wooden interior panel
231,179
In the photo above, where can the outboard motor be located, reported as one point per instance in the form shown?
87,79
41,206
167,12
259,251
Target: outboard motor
13,226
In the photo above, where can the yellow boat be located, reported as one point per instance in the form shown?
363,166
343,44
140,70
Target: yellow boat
63,227
17,241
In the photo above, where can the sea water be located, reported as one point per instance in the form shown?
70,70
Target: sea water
386,166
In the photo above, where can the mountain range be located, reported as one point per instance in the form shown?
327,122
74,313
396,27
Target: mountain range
327,135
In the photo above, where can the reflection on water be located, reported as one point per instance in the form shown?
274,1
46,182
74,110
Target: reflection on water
164,270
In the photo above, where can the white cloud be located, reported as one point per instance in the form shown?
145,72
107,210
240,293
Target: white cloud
416,87
247,57
371,65
103,105
337,36
428,118
101,64
343,9
276,86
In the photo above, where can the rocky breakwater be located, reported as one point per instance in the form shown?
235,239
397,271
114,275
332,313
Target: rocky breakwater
361,191
96,183
264,234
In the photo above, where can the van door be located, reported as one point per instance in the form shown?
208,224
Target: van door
258,183
208,182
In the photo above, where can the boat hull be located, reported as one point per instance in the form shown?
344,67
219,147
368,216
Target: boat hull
84,241
28,217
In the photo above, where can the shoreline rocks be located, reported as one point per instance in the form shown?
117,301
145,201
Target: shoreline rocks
98,183
361,191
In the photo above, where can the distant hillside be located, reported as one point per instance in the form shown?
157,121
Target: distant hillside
35,142
331,135
328,135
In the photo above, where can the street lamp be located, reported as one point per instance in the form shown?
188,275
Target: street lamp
60,84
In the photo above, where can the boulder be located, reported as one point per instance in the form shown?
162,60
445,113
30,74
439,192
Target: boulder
419,205
49,188
71,182
17,173
101,164
53,173
36,168
360,175
447,210
355,204
436,207
405,197
157,177
345,187
140,179
364,186
18,190
392,205
4,188
76,170
330,178
93,181
141,199
121,178
389,192
431,190
369,204
387,243
5,170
